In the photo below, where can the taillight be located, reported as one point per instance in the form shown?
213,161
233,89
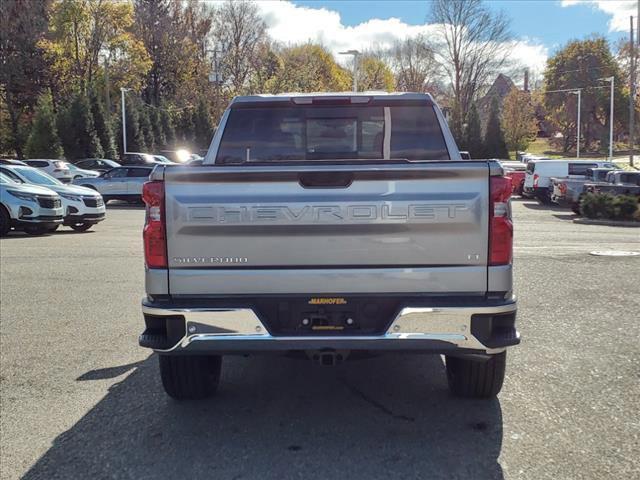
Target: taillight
535,180
563,188
500,226
154,234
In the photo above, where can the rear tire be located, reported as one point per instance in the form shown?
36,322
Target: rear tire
476,378
5,221
190,377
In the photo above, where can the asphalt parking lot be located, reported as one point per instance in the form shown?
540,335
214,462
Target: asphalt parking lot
80,399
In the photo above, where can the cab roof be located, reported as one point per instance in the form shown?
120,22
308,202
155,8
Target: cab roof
299,98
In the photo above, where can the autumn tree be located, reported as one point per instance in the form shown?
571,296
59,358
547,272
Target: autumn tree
415,64
374,74
519,120
43,140
471,45
80,33
582,64
240,31
310,68
494,143
175,34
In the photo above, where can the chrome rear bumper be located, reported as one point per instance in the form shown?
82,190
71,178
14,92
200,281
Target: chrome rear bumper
413,329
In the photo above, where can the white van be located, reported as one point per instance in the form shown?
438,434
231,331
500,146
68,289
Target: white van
537,179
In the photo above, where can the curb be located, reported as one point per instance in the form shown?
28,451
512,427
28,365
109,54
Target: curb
610,223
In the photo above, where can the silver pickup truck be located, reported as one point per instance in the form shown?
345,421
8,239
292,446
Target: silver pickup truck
329,226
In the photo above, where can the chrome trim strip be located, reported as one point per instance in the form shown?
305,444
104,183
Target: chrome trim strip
446,324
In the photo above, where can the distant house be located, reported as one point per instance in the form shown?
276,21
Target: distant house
500,88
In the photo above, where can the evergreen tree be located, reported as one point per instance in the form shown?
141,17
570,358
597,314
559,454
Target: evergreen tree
167,128
202,125
43,140
135,138
455,125
79,137
184,128
64,130
494,143
156,127
146,128
473,134
103,126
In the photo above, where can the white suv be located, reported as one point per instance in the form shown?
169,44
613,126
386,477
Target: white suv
83,207
56,168
28,207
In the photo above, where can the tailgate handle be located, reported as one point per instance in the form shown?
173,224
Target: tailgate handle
325,179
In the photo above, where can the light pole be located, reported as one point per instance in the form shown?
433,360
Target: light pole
579,93
355,54
124,121
611,81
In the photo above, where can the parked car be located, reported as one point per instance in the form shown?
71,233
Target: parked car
162,159
516,172
28,207
122,183
97,164
180,156
83,207
134,158
323,252
567,191
537,180
9,161
56,168
81,172
619,182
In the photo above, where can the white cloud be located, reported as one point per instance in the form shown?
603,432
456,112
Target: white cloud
293,24
619,10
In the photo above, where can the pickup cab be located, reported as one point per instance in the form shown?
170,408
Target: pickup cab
619,182
329,226
568,191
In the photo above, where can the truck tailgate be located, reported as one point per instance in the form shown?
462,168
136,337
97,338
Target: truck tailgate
394,227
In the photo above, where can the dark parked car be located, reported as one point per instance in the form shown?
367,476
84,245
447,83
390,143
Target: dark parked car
97,164
136,158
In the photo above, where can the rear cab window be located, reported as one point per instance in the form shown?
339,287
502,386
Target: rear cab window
289,133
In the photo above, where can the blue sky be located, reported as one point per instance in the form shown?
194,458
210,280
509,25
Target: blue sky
541,21
540,27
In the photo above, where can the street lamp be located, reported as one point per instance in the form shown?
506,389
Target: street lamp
355,54
579,93
610,80
124,121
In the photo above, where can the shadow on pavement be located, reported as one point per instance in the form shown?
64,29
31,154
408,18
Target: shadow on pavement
110,372
276,417
537,206
565,216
